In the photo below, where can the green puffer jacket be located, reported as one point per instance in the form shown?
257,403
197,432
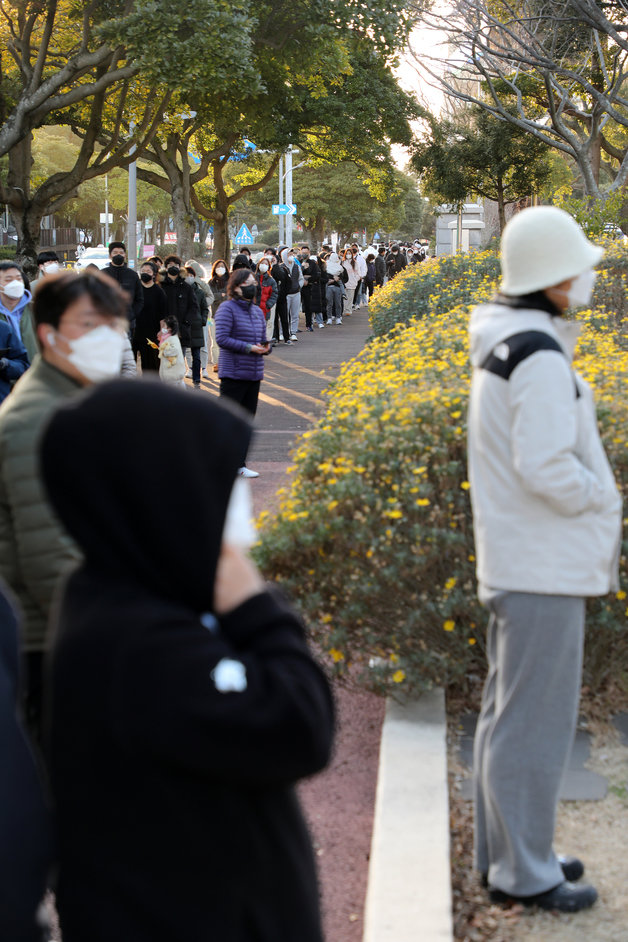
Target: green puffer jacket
35,552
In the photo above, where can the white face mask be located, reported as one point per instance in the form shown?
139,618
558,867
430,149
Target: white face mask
581,290
190,280
239,529
221,271
51,268
263,268
97,354
14,289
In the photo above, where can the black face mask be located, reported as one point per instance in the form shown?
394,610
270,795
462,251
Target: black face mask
117,259
173,270
146,277
248,292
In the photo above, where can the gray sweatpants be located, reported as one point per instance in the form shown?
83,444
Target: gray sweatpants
293,302
524,736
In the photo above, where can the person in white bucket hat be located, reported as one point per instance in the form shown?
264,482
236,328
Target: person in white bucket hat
547,523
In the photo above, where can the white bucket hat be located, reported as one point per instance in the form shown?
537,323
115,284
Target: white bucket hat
543,246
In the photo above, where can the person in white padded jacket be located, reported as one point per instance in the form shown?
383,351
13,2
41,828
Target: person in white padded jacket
547,523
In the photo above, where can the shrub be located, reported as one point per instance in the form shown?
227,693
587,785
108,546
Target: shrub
434,286
373,539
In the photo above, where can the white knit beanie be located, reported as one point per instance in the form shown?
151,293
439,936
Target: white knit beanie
543,246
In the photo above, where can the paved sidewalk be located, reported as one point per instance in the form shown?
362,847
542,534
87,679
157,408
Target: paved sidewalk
290,396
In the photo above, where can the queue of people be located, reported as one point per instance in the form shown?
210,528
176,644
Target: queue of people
171,693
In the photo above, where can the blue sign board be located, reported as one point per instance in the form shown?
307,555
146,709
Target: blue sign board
284,209
249,147
244,236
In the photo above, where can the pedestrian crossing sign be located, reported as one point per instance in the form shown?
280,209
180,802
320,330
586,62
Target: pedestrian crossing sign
244,236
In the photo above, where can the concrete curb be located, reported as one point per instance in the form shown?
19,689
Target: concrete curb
409,885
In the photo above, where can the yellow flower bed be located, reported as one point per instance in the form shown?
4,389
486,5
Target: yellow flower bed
374,536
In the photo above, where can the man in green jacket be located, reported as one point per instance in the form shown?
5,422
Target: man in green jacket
80,322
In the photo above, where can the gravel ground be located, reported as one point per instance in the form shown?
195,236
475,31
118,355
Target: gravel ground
596,831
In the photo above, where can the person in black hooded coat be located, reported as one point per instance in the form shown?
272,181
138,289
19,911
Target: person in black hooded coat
177,817
26,850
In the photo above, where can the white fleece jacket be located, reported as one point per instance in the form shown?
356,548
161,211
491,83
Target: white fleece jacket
546,509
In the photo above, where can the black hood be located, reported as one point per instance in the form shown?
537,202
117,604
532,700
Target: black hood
140,475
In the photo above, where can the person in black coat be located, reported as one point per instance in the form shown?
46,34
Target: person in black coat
282,277
184,701
26,848
203,307
311,290
396,261
127,279
150,317
182,303
242,260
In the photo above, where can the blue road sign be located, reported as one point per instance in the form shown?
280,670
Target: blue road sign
284,209
249,147
244,236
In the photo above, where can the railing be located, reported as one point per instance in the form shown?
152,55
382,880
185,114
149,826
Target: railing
48,238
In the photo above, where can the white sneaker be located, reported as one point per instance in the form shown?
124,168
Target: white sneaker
320,326
293,337
205,374
247,473
339,320
188,374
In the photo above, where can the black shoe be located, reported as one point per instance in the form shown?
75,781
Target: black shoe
564,898
572,869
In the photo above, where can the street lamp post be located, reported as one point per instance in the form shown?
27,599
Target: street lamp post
106,211
288,218
131,239
281,218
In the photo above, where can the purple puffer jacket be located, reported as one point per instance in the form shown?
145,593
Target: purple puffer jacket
238,324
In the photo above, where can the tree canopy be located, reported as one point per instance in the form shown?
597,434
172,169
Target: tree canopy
474,152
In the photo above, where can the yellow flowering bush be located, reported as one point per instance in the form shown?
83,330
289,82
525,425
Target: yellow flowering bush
373,538
435,287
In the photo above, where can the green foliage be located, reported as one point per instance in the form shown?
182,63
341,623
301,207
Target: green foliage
433,286
477,153
269,238
373,538
595,215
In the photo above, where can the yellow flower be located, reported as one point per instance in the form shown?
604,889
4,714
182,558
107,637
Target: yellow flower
465,485
450,583
336,655
620,595
398,676
472,641
422,502
449,625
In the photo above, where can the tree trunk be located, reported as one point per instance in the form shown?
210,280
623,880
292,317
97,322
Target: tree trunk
184,221
501,206
319,232
222,242
28,226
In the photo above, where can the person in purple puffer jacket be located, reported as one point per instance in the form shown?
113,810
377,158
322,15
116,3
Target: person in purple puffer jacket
241,338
